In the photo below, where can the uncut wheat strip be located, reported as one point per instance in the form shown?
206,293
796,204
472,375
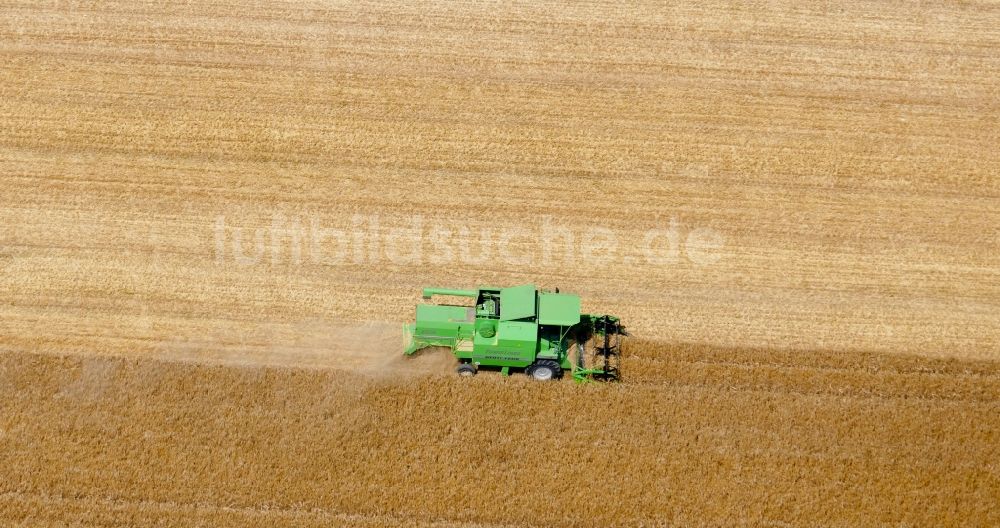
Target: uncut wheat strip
35,508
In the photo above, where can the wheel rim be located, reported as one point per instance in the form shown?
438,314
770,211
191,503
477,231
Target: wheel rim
542,373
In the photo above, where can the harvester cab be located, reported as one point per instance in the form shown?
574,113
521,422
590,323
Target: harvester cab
520,327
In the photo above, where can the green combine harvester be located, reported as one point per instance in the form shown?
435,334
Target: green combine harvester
520,327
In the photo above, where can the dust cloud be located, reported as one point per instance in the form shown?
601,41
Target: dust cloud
371,348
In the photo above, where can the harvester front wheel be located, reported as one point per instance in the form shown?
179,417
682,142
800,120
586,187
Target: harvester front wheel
466,370
545,370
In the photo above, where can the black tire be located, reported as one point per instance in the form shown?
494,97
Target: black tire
545,370
466,370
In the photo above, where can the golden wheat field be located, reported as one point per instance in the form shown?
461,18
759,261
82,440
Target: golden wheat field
215,216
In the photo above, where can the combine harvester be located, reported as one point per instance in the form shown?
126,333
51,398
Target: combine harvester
520,327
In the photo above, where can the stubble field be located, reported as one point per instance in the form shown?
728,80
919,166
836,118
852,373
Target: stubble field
215,216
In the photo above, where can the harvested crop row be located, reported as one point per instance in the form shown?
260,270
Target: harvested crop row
846,157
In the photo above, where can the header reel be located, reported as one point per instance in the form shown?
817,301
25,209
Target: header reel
605,357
